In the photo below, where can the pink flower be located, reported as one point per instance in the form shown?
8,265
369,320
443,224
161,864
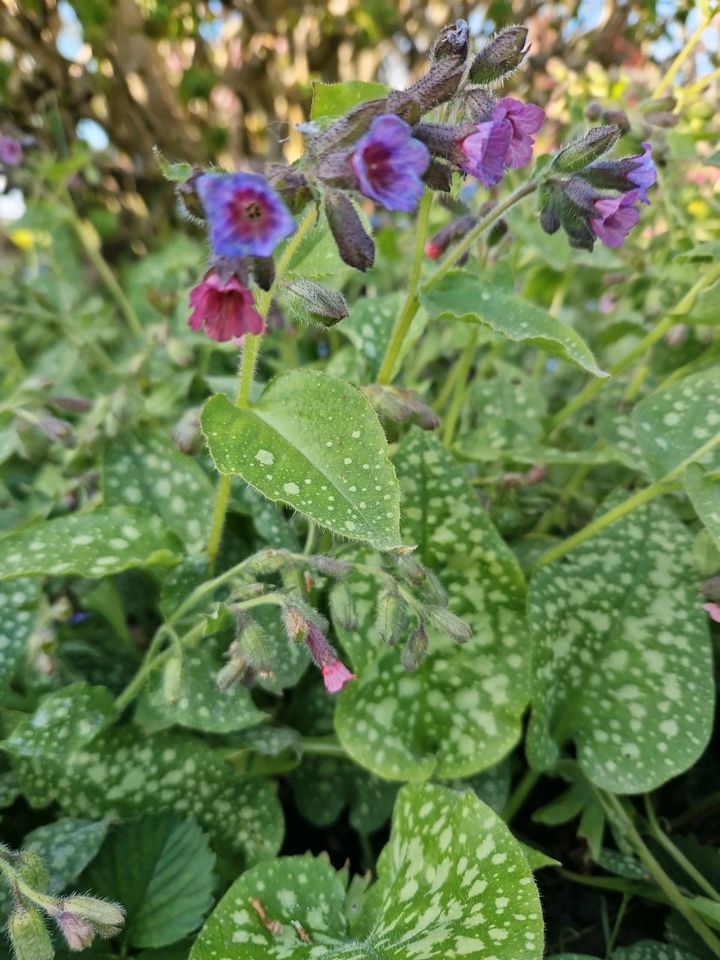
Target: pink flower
335,675
10,151
77,932
615,218
713,610
484,151
524,120
225,308
334,672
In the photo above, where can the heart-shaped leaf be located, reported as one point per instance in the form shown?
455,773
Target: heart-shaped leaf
621,656
672,426
148,471
467,297
108,540
314,443
460,711
452,882
160,868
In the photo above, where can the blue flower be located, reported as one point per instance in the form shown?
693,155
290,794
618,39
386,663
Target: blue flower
246,217
389,163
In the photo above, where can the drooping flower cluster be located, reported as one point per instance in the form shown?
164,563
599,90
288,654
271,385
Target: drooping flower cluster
594,199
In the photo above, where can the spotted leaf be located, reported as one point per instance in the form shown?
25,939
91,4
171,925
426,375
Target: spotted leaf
452,882
704,493
66,848
621,655
313,443
467,297
148,471
96,544
460,712
672,426
370,324
18,601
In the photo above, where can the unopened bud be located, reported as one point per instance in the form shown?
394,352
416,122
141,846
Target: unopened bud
295,623
342,607
29,936
449,624
172,680
438,176
411,569
31,870
57,430
401,406
264,271
186,432
415,649
579,154
500,56
436,87
254,646
106,916
331,566
451,42
317,303
78,933
269,561
355,247
390,614
450,233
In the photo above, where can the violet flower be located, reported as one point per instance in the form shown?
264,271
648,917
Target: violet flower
615,218
11,152
246,217
484,151
389,163
524,119
224,308
644,175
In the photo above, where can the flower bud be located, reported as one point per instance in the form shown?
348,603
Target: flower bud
411,570
415,649
332,566
172,679
186,432
500,56
264,272
451,42
401,406
78,933
436,87
28,935
342,607
390,614
107,917
355,247
317,303
579,154
438,176
31,870
450,233
269,560
449,624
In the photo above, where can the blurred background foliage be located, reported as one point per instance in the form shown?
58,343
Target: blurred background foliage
232,82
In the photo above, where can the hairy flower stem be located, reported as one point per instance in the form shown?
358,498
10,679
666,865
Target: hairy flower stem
678,856
613,805
246,374
412,302
639,350
667,484
410,307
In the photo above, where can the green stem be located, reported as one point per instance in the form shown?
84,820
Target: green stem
614,884
246,374
520,794
680,59
90,242
323,747
639,350
678,901
464,367
410,306
677,855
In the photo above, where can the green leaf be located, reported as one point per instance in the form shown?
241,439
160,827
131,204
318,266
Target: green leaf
452,882
313,443
66,847
200,704
67,752
18,601
621,655
672,425
462,295
460,712
323,786
370,324
96,544
160,868
704,493
148,471
652,950
335,99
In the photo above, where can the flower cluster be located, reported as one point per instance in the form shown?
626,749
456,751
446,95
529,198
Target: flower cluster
594,199
381,150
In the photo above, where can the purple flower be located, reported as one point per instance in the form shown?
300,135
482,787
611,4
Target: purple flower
10,152
524,119
247,218
615,218
389,163
484,151
225,308
334,672
77,932
643,175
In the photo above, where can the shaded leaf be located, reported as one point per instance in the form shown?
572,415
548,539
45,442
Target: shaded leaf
704,493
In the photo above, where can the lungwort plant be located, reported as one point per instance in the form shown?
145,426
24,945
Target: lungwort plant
375,508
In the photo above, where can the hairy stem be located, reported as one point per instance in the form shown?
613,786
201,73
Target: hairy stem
677,855
410,306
